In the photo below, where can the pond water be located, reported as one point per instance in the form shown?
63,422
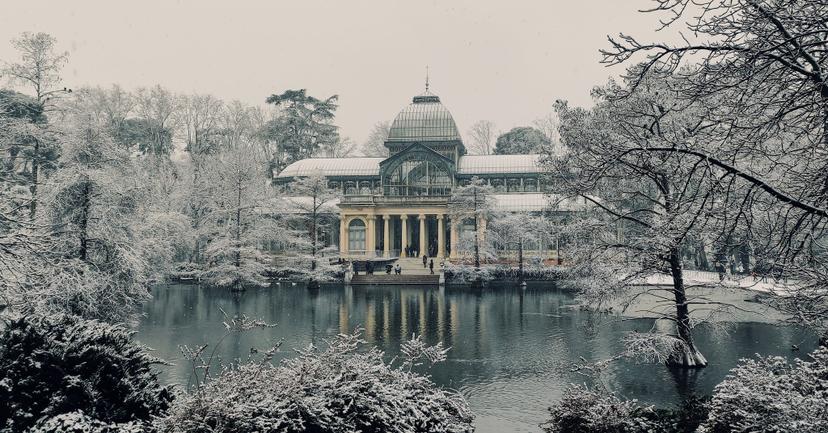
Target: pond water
511,348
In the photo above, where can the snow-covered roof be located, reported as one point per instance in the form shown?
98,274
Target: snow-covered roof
469,165
498,164
302,204
534,202
523,202
333,167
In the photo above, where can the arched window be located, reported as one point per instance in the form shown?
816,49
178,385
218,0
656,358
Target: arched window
513,184
419,175
530,185
365,187
498,185
350,188
356,236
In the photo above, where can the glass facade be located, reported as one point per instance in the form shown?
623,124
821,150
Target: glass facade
418,177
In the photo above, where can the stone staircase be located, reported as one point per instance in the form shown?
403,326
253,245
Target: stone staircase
413,273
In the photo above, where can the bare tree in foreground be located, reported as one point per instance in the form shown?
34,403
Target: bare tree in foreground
764,64
644,207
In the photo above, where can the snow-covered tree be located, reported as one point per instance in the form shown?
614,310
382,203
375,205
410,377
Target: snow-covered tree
308,213
473,202
238,220
94,204
157,114
482,135
760,68
305,125
375,143
517,230
39,70
642,206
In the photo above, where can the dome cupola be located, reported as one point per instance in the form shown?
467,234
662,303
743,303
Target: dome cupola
424,120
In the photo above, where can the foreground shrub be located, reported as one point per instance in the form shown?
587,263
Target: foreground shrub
582,410
78,422
772,395
339,389
56,365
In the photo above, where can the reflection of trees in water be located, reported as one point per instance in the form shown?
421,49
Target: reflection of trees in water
501,335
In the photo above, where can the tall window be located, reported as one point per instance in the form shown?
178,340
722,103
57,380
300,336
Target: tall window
356,235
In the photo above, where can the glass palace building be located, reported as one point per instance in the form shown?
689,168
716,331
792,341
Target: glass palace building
388,205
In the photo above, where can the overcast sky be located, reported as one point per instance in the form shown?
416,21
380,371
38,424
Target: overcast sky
505,61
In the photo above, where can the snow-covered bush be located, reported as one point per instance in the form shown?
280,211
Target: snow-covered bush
341,388
79,422
772,395
462,273
59,364
584,410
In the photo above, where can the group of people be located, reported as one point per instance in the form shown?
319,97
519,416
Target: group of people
410,251
369,266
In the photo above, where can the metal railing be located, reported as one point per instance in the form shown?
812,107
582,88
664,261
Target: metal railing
395,199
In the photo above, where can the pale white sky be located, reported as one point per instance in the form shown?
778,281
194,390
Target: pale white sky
505,61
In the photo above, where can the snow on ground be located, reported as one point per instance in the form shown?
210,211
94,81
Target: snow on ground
705,278
736,299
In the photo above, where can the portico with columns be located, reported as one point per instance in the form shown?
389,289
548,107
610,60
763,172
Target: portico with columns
396,232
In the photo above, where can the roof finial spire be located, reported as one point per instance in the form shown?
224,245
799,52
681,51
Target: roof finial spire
426,78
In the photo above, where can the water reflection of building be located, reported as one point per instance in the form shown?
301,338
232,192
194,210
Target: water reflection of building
401,201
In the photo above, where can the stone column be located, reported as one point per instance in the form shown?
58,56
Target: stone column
422,247
371,236
343,236
404,234
441,237
386,238
455,239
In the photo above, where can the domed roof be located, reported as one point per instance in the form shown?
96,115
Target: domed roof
425,119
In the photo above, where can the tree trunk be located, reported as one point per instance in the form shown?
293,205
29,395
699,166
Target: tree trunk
239,286
690,357
520,260
33,187
476,246
476,235
83,252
